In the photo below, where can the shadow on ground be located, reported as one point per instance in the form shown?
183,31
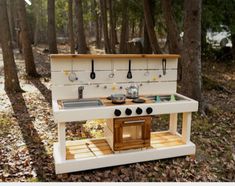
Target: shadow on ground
42,162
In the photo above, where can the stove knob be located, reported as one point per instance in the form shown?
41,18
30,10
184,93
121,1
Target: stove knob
149,110
139,110
117,112
128,111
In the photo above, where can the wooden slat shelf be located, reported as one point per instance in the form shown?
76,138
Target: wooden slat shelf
99,147
93,56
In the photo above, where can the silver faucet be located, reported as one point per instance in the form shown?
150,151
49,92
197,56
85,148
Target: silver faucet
80,92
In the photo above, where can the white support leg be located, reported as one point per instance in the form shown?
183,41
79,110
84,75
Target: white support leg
186,126
62,141
173,123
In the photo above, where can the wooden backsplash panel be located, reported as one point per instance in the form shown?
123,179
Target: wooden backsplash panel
155,83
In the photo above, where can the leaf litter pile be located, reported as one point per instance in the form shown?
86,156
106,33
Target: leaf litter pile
27,134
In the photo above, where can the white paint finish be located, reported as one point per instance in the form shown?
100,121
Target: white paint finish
108,136
173,123
121,158
186,127
60,64
61,78
61,140
71,92
106,112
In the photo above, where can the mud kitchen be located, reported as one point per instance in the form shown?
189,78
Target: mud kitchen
126,91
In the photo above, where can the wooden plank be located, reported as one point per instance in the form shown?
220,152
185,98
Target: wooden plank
93,56
61,140
61,65
173,123
71,91
186,126
121,158
62,78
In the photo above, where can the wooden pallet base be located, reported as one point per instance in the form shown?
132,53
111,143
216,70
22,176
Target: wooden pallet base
96,153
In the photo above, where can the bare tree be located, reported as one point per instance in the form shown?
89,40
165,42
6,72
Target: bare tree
191,54
150,27
11,79
174,40
25,39
124,29
103,8
112,27
51,27
81,39
70,27
96,16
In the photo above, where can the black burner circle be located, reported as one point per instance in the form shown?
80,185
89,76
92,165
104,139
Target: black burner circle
138,100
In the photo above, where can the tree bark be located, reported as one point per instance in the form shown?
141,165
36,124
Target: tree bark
70,27
97,27
51,27
191,54
233,45
124,29
112,27
11,83
26,42
11,16
103,8
172,29
147,46
150,27
81,39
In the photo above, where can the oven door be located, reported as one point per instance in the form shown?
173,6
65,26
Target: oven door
132,133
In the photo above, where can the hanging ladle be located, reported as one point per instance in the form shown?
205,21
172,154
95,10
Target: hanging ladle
129,74
92,75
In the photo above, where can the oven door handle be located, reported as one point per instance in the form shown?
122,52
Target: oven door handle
133,122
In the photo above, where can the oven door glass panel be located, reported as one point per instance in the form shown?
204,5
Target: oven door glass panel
132,132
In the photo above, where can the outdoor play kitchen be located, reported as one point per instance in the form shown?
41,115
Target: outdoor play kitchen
126,90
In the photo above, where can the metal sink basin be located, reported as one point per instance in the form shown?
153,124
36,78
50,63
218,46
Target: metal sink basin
81,103
166,98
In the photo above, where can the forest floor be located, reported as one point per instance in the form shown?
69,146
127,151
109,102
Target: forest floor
27,133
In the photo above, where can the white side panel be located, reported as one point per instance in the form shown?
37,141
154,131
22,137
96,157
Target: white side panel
71,92
121,158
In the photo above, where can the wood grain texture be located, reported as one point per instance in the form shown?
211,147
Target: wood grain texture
93,56
81,149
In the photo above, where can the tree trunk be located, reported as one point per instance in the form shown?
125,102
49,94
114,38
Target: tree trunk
11,15
172,29
51,27
233,45
141,21
70,27
191,54
97,27
150,27
103,8
112,27
26,42
81,39
133,29
124,30
147,46
11,79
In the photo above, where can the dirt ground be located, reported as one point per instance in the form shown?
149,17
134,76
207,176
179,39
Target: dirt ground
27,133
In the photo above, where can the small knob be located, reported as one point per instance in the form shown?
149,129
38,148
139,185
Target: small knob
128,111
139,110
149,110
117,112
